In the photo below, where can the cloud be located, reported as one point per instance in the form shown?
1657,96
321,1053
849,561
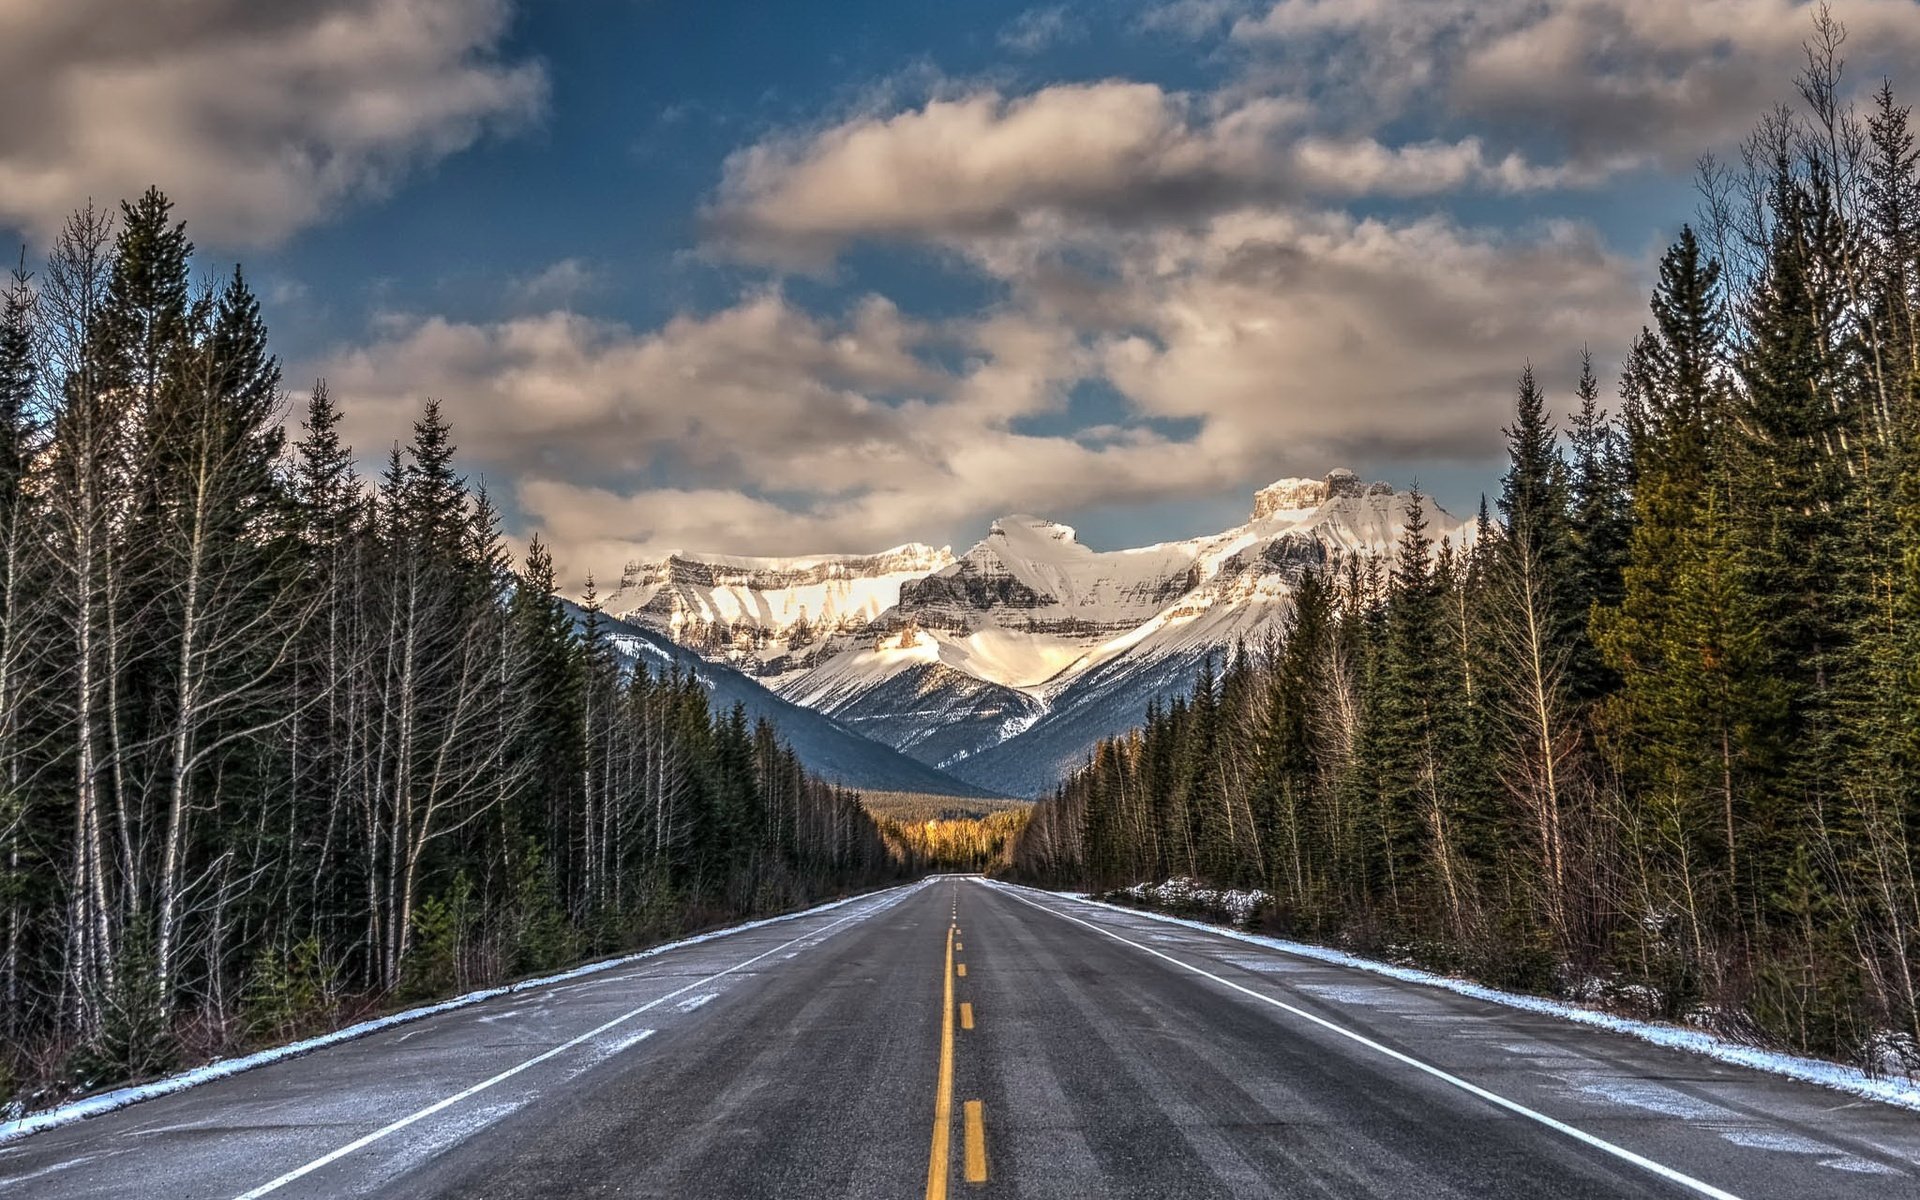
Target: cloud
762,385
561,284
259,117
1612,82
1040,29
1193,19
1189,258
1251,344
1117,152
868,430
1308,339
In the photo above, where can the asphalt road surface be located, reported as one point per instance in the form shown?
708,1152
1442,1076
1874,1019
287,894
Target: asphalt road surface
956,1038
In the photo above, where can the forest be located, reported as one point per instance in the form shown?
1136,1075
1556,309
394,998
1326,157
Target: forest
281,745
1651,736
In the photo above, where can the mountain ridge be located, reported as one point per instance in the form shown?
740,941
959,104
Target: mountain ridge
1003,665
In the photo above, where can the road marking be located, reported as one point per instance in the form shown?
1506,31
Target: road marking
332,1156
976,1145
966,1015
961,968
1512,1106
940,1157
693,1002
957,945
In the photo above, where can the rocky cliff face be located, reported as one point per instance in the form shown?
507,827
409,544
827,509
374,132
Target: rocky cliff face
712,599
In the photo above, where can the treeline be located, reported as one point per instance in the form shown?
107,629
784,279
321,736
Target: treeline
1657,725
277,741
981,842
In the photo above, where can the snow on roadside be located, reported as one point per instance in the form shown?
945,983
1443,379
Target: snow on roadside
106,1102
1902,1093
1189,896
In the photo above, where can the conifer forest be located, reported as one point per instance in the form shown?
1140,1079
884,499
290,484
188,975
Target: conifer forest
279,743
1651,735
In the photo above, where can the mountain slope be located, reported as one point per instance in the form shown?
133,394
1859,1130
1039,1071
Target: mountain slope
828,748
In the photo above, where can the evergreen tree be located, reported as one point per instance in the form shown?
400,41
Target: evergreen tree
1533,492
1600,530
1788,494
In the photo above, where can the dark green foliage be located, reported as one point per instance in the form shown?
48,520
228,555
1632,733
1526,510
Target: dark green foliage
134,1040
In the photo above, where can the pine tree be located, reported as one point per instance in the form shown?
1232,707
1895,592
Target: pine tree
227,597
146,322
1681,637
1290,753
550,689
1417,815
1533,493
1600,529
331,660
1787,493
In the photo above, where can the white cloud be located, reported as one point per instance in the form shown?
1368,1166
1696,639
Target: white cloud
258,117
1314,338
1614,82
1286,341
559,391
1193,19
1117,152
1040,29
560,284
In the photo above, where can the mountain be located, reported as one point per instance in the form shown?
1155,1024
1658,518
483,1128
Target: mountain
828,748
705,599
1003,667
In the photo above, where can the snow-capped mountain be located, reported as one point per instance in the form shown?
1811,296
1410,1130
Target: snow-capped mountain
1005,665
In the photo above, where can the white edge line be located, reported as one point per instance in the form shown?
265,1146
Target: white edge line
331,1156
119,1098
1819,1072
1513,1106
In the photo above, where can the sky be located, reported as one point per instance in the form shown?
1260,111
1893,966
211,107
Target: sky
780,278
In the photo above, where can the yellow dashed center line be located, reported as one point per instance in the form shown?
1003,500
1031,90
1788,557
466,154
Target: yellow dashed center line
966,1015
961,970
939,1158
976,1144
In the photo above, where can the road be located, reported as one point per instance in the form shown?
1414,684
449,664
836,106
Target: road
960,1039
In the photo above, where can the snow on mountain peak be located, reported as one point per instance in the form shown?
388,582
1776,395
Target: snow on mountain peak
1023,526
702,598
1288,495
1302,495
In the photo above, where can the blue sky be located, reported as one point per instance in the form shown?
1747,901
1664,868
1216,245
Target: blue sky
773,278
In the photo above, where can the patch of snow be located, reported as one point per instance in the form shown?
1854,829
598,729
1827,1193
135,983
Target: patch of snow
1344,993
1859,1166
1769,1139
1189,895
1644,1094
